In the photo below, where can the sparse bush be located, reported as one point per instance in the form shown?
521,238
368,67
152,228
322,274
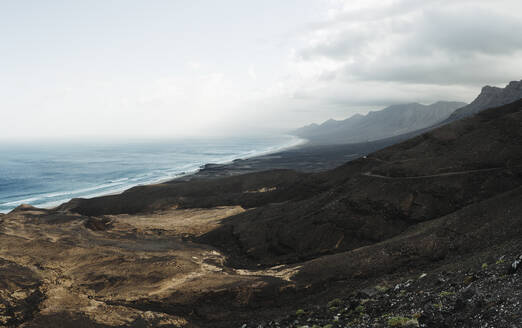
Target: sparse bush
446,294
382,288
300,312
402,322
336,302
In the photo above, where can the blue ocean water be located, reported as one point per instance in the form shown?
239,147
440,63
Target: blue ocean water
46,175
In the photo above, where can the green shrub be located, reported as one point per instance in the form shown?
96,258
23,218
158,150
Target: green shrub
360,308
336,302
382,288
402,322
300,312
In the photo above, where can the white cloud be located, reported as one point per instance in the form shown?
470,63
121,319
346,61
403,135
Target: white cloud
252,73
408,41
195,65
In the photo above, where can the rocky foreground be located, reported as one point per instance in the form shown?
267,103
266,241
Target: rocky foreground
472,295
418,234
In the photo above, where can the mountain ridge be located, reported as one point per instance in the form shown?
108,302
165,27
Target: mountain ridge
391,121
490,97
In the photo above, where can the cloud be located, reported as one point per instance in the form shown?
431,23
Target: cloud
194,65
434,42
252,73
469,30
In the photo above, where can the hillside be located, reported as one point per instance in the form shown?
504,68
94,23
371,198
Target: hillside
281,247
375,198
389,122
490,97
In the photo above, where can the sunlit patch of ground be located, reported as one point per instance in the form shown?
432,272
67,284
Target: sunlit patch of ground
119,273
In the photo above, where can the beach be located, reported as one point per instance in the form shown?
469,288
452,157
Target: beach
49,173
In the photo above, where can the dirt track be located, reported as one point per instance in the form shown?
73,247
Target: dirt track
446,174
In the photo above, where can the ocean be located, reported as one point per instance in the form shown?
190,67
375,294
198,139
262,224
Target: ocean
48,174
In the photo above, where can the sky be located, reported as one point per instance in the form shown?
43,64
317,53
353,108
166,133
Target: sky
174,68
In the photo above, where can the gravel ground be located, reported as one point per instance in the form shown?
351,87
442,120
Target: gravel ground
487,295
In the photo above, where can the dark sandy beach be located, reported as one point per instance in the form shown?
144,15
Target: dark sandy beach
307,157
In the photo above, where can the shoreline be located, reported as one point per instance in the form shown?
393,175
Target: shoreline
188,176
294,143
302,156
185,176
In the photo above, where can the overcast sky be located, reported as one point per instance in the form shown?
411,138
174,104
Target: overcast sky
158,68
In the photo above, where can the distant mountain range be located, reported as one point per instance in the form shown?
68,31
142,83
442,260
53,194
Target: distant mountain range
391,121
406,119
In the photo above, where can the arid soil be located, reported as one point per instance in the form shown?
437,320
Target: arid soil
254,249
121,270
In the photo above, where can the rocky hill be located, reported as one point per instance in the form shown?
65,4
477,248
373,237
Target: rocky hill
378,197
490,97
391,121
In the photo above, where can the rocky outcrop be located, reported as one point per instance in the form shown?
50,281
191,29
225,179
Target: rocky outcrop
490,97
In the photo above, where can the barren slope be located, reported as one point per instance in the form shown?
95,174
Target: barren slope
220,252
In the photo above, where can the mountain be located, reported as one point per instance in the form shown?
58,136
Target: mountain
391,121
490,97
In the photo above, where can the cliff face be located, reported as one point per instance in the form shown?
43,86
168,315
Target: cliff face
392,121
490,97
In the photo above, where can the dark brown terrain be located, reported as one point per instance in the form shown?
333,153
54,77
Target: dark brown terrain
417,234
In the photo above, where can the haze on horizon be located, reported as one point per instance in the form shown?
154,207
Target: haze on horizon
120,68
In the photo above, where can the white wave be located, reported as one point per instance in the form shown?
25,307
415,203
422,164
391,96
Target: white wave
40,200
19,202
81,191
